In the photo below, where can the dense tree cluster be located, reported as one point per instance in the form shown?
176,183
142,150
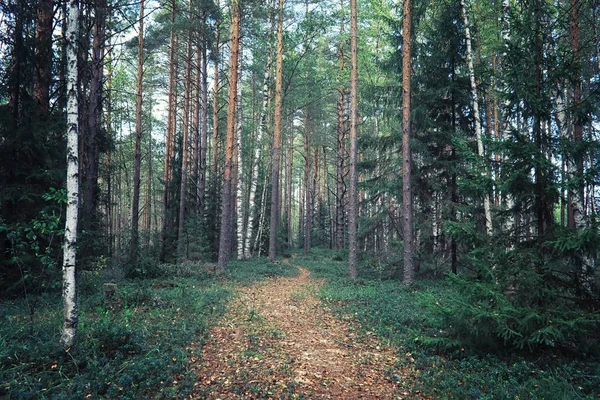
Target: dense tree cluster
427,138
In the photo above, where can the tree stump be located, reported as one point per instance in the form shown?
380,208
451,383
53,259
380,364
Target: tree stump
110,294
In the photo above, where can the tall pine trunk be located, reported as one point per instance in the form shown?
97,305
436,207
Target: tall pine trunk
407,200
353,200
43,55
94,116
276,157
204,124
135,213
181,243
306,184
226,237
170,135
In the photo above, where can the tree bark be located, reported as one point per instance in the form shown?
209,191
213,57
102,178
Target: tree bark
274,223
407,205
215,136
170,134
306,183
43,55
239,168
204,128
340,192
353,200
257,153
226,238
69,281
135,213
181,247
94,116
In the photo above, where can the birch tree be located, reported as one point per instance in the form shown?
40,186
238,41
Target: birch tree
476,116
69,281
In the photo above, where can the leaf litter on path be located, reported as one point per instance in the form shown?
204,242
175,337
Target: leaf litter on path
277,341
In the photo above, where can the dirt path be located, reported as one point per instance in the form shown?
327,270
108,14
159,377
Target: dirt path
278,341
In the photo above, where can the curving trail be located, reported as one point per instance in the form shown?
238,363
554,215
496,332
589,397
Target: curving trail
278,341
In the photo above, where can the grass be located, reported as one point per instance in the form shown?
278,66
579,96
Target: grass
445,368
136,347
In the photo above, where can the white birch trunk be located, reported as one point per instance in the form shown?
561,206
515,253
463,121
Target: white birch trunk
480,150
240,169
261,222
257,154
69,291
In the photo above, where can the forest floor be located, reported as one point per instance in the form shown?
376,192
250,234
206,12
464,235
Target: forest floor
277,340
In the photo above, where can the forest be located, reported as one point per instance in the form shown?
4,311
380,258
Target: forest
418,181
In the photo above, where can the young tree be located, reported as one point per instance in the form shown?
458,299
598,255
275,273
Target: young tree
69,292
476,116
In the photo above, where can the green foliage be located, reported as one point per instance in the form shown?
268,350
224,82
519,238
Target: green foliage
138,345
448,338
34,248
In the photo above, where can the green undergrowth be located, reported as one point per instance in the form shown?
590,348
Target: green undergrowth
446,367
135,346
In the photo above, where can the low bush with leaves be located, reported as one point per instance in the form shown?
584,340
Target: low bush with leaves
466,339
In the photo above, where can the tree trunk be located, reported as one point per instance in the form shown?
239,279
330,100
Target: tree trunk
306,184
226,237
195,125
170,136
274,224
340,192
69,291
181,245
288,189
215,137
94,117
204,128
257,152
239,169
476,117
138,141
407,205
575,164
43,55
353,200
